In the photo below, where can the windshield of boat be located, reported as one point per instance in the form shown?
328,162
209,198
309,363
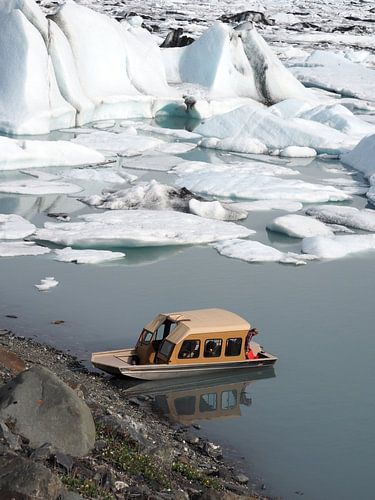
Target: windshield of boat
146,337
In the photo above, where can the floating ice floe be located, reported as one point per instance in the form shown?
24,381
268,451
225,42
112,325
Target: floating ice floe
348,185
68,254
14,227
38,187
216,210
245,167
20,248
139,228
264,125
299,226
152,161
100,175
164,131
334,72
123,143
254,251
264,205
346,216
17,154
336,247
46,284
244,185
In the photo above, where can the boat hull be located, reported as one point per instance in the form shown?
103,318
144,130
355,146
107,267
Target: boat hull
162,372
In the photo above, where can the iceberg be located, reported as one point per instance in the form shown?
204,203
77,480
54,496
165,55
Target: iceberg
139,228
299,226
68,254
254,251
30,101
15,227
346,216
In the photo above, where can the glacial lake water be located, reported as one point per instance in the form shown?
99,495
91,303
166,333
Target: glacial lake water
309,429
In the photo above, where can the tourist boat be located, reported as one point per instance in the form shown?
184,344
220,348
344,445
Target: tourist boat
188,343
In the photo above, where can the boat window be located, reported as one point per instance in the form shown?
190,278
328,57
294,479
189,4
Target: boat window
185,405
228,399
189,349
233,347
166,348
165,329
208,402
146,337
212,348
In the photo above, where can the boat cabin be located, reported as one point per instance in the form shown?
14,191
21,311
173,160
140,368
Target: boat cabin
187,343
199,336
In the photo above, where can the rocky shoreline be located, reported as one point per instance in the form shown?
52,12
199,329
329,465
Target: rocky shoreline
134,453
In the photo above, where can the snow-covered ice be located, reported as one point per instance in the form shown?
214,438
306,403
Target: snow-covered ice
68,254
21,248
15,227
46,284
346,216
254,251
139,228
242,167
299,226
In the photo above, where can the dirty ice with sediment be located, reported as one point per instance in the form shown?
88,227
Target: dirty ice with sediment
139,137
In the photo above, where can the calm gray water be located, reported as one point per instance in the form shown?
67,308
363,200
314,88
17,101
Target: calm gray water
308,429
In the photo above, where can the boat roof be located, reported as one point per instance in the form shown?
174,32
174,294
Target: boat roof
200,321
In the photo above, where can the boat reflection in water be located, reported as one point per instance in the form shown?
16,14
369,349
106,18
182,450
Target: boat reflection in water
188,401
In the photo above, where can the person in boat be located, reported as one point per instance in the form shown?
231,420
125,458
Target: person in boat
248,351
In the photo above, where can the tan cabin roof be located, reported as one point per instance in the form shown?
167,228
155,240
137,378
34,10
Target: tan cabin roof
201,321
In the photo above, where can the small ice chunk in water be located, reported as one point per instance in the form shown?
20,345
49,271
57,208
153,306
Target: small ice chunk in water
46,284
299,226
38,187
14,227
68,254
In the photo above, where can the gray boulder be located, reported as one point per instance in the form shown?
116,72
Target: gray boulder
44,409
23,479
